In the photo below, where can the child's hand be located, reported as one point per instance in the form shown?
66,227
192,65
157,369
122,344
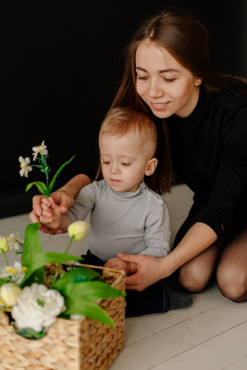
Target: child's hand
51,215
116,263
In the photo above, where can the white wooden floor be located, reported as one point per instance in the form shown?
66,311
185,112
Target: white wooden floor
210,335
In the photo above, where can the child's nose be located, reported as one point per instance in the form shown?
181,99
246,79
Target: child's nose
114,168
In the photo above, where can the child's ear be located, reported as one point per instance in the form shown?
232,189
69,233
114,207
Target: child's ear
151,166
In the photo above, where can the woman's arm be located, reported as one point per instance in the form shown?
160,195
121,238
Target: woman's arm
151,269
71,189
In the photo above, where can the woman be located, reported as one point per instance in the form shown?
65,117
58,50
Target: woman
167,74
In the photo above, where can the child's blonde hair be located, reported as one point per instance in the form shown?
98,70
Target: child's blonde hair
119,121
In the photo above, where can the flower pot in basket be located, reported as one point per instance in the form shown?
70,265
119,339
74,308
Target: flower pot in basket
69,344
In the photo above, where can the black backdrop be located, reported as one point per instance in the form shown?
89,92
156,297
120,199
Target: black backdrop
61,68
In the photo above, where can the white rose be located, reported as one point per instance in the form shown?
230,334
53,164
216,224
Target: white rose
37,307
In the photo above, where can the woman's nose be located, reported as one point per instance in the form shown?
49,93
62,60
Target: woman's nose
155,90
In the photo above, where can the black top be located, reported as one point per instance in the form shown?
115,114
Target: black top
209,153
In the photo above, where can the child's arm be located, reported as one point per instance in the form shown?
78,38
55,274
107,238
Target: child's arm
52,217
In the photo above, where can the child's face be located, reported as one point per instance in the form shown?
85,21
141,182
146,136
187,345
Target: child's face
126,159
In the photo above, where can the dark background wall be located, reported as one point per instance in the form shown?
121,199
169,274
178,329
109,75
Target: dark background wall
61,68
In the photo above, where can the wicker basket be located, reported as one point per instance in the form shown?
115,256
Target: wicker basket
75,345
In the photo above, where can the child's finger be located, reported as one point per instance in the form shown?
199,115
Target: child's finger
46,220
46,213
46,201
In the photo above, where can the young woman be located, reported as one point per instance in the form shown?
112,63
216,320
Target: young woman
167,74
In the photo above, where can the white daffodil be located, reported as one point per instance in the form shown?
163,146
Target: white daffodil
4,245
78,229
9,293
41,149
15,273
24,165
37,307
15,241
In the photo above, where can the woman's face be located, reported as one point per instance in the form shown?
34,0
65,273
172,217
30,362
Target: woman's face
163,83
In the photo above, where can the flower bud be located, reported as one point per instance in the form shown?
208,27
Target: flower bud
9,293
4,245
78,229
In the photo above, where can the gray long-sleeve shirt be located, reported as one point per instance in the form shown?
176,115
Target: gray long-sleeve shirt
128,222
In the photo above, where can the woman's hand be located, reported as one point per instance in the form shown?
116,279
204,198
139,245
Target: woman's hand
149,270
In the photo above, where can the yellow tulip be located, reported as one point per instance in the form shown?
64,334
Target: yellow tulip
9,293
78,229
4,245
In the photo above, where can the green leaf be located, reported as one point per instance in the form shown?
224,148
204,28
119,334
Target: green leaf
43,189
34,258
57,173
4,280
91,290
79,306
42,258
32,244
79,274
30,333
80,297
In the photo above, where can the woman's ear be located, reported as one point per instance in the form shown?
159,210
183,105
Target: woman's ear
198,81
151,166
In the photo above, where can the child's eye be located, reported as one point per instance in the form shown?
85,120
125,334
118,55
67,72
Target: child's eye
106,162
126,164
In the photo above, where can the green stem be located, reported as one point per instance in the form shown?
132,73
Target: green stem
4,257
45,167
59,266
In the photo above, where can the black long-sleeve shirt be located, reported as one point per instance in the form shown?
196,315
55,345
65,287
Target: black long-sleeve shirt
209,153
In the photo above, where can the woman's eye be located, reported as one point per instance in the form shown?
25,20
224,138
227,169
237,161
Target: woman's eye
126,164
141,77
105,162
169,79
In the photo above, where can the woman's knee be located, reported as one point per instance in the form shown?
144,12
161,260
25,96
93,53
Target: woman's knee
193,279
232,283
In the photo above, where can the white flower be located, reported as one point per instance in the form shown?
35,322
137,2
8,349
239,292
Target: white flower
9,293
41,149
15,240
25,168
37,307
4,245
78,229
16,273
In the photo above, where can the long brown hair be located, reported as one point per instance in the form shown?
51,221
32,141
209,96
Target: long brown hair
186,39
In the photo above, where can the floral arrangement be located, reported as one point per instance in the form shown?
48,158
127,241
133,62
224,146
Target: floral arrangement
40,154
32,296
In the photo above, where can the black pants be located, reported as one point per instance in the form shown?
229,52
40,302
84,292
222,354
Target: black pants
150,300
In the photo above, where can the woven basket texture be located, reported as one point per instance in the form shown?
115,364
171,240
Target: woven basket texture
82,344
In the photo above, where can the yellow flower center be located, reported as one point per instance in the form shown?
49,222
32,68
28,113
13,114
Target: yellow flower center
22,165
12,270
24,268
